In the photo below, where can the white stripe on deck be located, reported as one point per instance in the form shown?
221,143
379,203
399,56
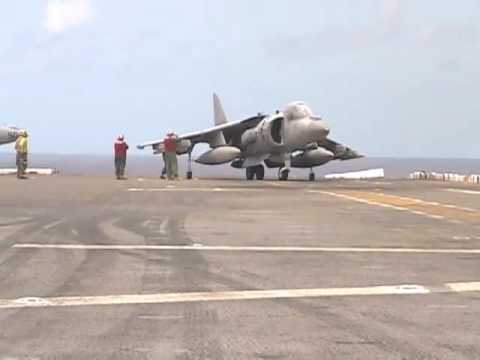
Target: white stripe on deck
471,192
396,207
164,298
172,189
53,224
199,247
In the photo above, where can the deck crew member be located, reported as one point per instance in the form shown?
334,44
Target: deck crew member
21,146
120,148
171,164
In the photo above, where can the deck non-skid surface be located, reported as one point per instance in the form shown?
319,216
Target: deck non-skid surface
92,268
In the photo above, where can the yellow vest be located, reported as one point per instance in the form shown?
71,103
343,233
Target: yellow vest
22,145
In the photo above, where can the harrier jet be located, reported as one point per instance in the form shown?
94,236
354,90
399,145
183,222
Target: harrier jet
8,134
293,138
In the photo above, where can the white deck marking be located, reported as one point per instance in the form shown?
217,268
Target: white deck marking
164,226
462,238
447,306
471,192
275,184
160,317
164,298
433,203
53,224
198,247
399,208
464,286
192,189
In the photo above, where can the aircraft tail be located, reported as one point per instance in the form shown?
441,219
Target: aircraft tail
218,112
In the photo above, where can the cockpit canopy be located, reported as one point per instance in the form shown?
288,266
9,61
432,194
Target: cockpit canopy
298,110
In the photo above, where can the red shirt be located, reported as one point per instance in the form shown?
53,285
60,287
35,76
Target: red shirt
121,148
170,144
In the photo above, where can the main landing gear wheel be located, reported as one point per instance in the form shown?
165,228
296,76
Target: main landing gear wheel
189,175
283,174
311,176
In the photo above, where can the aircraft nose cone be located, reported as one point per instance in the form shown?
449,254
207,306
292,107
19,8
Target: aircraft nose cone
320,129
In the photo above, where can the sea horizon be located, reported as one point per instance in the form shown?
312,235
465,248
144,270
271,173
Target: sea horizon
150,165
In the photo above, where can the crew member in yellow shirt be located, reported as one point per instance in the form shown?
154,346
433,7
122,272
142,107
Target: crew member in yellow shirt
22,154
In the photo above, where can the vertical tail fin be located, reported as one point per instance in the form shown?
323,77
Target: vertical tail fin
218,112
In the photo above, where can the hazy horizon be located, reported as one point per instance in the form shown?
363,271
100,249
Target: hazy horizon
140,165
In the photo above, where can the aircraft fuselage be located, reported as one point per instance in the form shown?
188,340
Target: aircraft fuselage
8,135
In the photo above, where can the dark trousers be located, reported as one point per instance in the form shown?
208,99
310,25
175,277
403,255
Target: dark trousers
120,163
22,163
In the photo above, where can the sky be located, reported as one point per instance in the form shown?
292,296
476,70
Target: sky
391,77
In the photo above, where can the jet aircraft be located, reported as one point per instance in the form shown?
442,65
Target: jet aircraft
293,138
8,134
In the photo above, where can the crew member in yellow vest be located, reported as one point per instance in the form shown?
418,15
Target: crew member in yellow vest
22,154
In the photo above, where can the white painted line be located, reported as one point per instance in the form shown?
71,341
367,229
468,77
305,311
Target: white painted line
275,184
53,224
136,299
199,247
436,217
147,223
394,207
433,203
164,226
369,202
192,190
462,238
464,286
446,306
164,298
471,192
459,208
160,317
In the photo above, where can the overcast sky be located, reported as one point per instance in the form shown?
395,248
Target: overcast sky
391,77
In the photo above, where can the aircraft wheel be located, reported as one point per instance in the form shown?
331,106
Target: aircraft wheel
250,172
260,172
189,175
283,174
311,177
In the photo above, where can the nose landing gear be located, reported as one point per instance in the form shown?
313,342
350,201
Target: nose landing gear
283,174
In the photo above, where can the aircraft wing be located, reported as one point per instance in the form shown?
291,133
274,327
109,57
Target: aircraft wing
342,152
231,132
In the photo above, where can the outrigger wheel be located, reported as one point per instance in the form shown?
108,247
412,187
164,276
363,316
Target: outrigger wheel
189,175
311,176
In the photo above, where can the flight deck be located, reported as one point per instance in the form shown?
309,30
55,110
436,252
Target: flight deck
93,268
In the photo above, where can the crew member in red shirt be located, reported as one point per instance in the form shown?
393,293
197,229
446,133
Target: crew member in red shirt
121,148
170,151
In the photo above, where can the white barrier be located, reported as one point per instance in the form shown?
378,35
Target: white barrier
358,175
447,177
30,171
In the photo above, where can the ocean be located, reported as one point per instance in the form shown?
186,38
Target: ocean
149,165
